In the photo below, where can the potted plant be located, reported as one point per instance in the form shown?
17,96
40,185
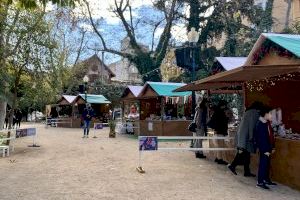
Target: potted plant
112,127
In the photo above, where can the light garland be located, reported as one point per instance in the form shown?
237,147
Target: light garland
260,85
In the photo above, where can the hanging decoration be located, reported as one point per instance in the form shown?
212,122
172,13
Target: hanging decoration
260,85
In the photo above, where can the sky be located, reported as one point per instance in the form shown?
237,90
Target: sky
112,28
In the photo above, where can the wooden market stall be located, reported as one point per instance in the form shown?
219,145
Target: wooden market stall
130,121
73,109
271,75
164,112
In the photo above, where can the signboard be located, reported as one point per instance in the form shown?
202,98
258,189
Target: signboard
148,143
98,126
25,132
150,126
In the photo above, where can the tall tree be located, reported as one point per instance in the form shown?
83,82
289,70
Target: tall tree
12,37
144,60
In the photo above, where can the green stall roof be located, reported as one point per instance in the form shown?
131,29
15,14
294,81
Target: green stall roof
286,41
95,99
166,89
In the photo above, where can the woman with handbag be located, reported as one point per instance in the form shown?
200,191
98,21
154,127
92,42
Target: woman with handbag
200,121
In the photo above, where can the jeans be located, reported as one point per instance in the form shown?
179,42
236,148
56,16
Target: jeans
86,127
242,159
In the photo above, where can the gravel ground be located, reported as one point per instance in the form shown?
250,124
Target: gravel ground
67,166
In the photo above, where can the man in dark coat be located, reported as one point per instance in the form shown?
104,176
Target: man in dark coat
245,139
264,141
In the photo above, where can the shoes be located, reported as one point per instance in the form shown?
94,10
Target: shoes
232,169
221,161
83,136
263,186
249,175
200,155
270,183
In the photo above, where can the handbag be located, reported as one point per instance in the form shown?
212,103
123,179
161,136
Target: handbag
192,127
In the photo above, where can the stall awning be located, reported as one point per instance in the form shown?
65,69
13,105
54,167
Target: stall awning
95,99
240,75
165,89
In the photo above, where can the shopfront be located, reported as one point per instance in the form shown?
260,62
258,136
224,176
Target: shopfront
271,75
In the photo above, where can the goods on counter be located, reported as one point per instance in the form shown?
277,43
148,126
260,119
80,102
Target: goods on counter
293,136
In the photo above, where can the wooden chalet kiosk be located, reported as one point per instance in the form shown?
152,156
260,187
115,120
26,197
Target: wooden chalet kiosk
164,112
271,75
68,110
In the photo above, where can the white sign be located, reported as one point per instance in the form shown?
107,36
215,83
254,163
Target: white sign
150,126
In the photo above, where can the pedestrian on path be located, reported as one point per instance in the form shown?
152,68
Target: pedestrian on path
245,139
87,116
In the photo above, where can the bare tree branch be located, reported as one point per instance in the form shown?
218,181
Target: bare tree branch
80,46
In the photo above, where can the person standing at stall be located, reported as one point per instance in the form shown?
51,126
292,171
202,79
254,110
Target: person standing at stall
219,122
264,140
245,139
87,116
201,128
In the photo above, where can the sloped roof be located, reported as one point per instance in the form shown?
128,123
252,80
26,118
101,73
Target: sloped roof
287,41
91,60
229,63
95,99
66,99
69,98
165,89
136,90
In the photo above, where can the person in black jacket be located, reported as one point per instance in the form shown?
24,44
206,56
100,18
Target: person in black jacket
263,140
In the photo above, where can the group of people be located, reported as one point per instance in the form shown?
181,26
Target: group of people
254,133
17,118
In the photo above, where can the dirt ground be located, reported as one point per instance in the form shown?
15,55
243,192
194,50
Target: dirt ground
67,166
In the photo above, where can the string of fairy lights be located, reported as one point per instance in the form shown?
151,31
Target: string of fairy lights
260,85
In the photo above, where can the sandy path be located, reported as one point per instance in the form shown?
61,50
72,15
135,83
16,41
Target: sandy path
69,167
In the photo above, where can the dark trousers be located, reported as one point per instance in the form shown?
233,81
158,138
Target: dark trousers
242,159
263,169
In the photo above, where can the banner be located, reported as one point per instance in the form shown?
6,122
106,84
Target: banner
148,143
98,126
25,132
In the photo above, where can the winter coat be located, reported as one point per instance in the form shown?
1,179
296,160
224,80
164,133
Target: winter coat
219,122
245,134
262,137
200,117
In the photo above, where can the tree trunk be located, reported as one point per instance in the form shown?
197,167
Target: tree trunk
3,105
288,13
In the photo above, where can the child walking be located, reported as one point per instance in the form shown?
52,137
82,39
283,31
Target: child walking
265,143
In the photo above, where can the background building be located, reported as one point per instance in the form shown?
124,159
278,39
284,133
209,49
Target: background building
125,71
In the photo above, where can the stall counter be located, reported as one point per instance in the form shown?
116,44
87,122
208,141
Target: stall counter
164,128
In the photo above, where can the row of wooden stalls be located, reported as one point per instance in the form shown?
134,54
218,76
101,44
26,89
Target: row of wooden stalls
68,110
270,74
157,110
